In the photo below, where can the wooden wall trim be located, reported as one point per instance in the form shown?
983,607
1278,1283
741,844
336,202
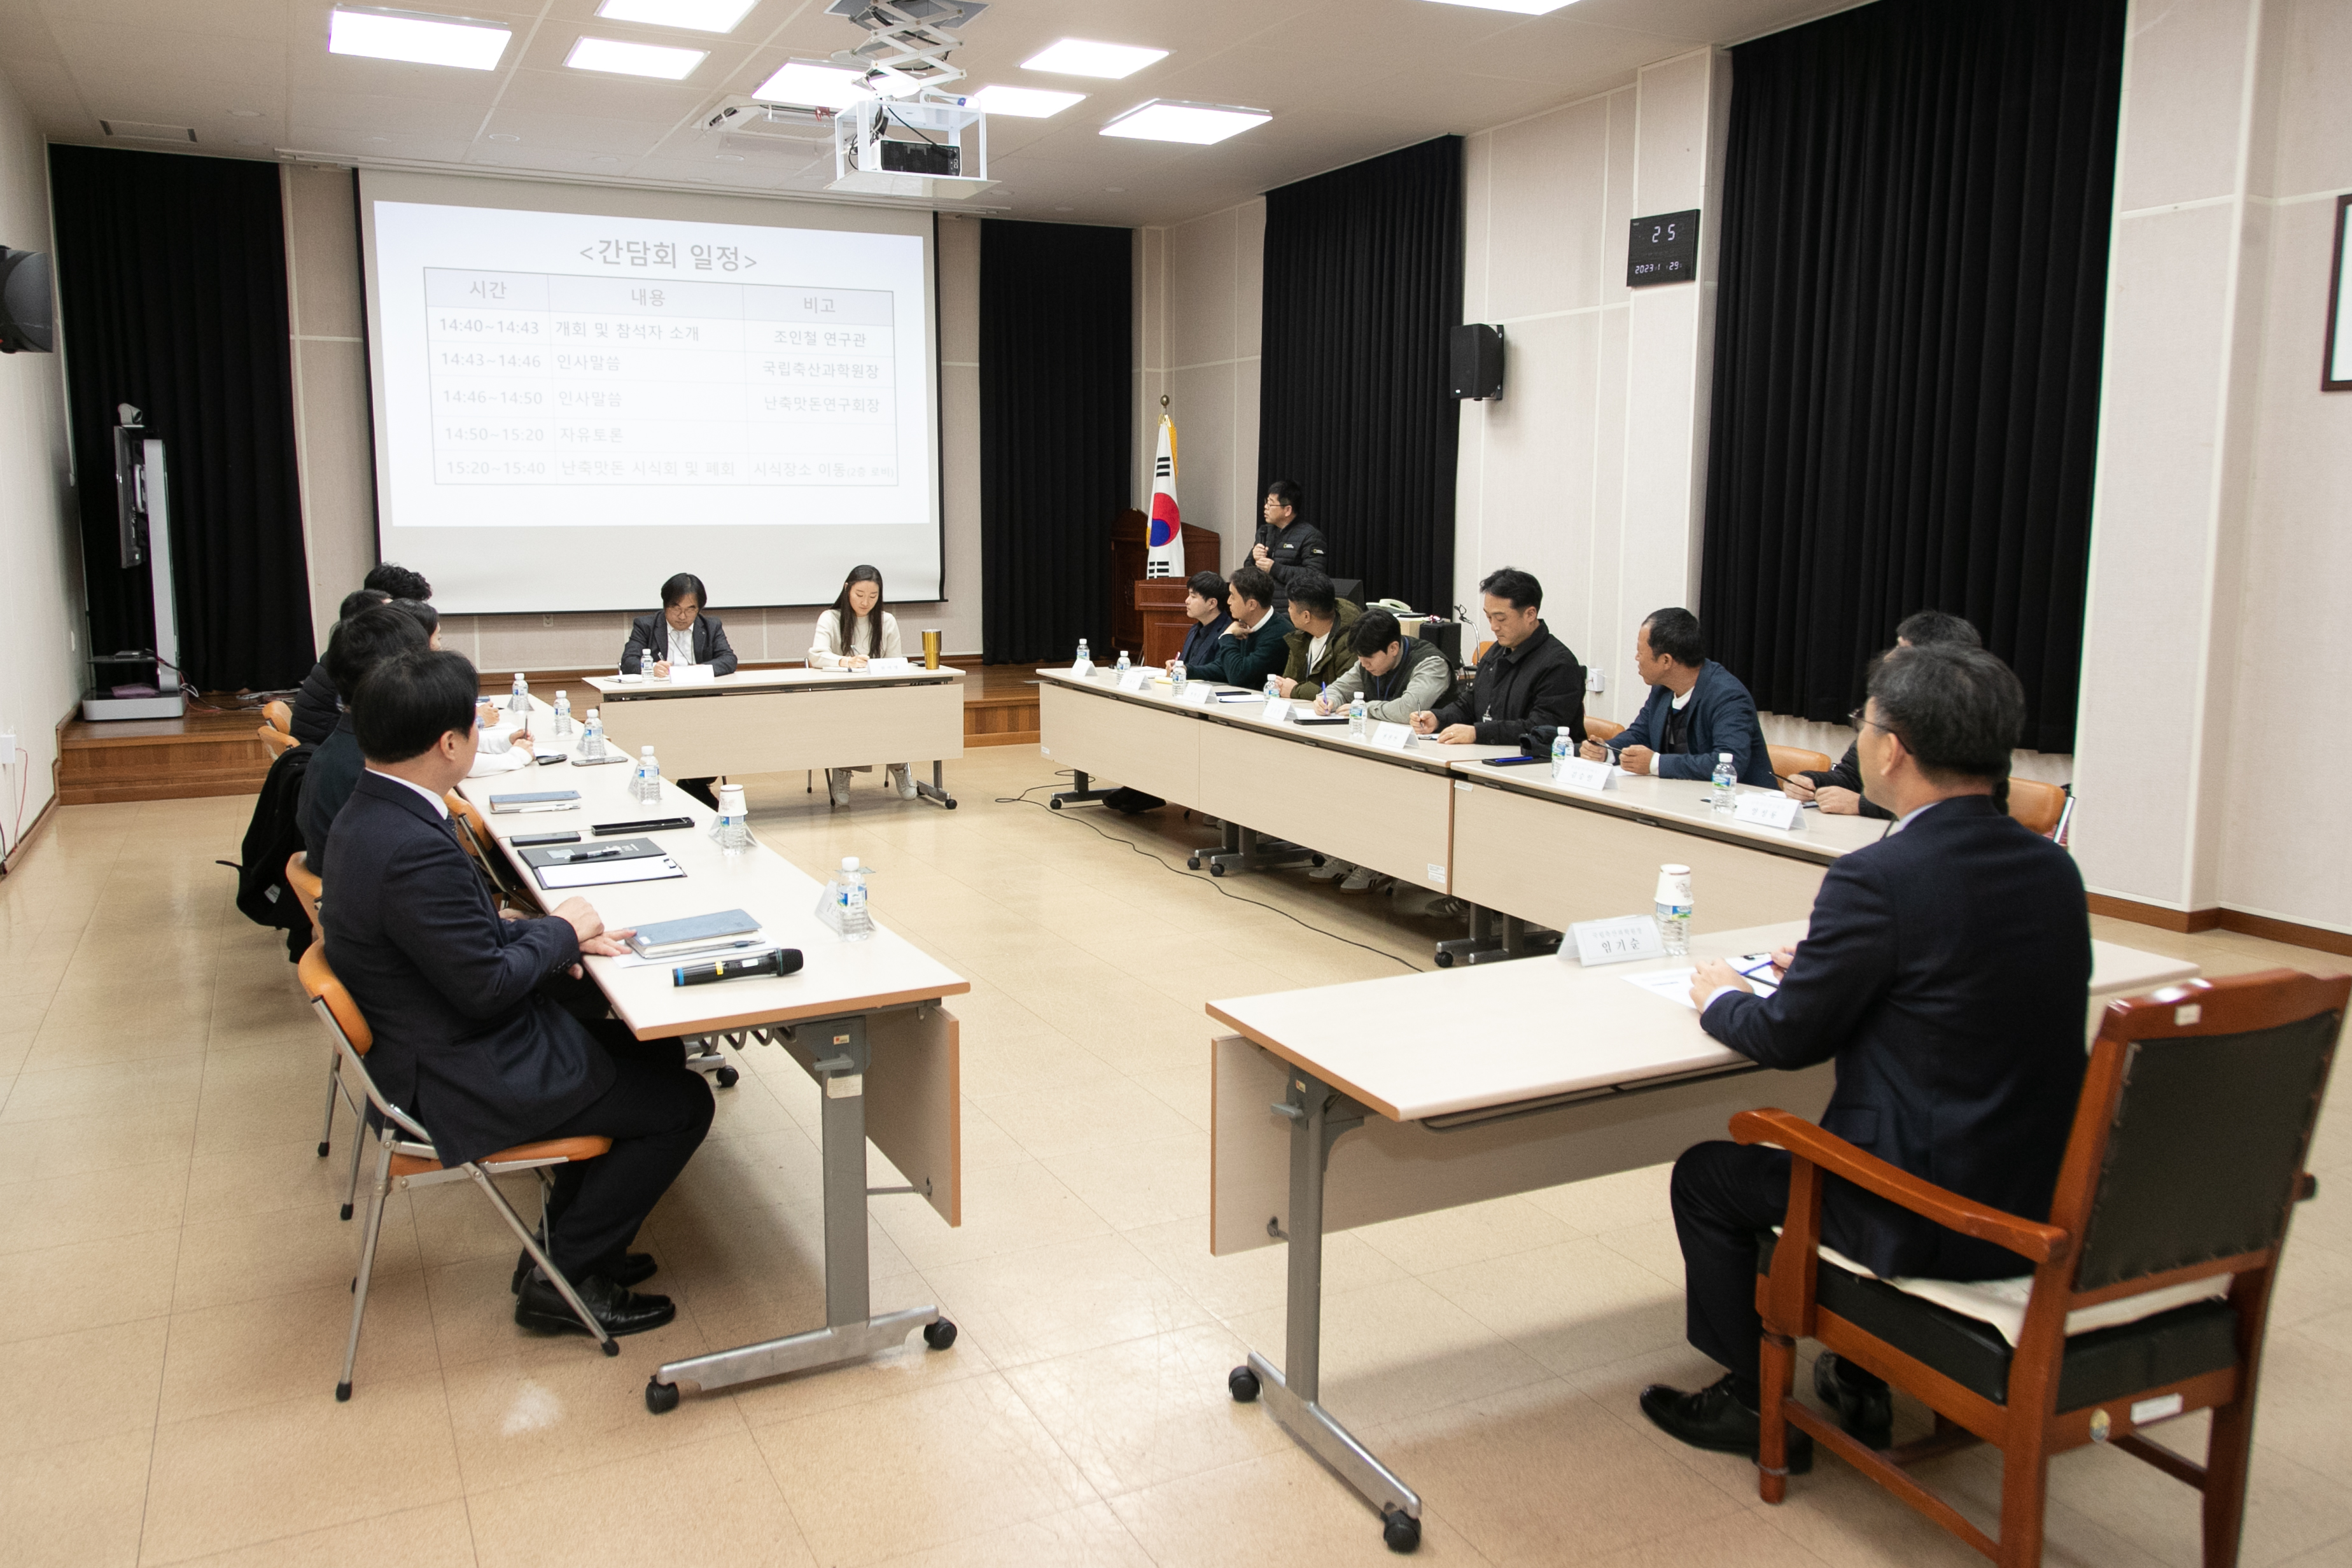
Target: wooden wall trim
2155,915
2288,932
2294,934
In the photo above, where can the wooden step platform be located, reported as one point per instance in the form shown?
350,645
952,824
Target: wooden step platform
219,754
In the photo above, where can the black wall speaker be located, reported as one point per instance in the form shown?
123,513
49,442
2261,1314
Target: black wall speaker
1477,361
26,324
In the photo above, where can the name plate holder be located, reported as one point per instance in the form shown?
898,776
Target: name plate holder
1392,737
1196,693
1277,710
1577,772
1621,940
1774,810
692,674
894,665
1082,671
1135,678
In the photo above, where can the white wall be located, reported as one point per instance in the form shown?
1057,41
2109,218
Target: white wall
2218,643
335,444
1198,289
40,560
1589,470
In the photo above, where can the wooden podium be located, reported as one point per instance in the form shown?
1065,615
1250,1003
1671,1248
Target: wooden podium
1147,614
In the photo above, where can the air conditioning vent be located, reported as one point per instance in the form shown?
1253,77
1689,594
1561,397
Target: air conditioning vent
140,130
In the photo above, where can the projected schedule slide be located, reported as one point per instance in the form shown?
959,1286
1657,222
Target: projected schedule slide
543,378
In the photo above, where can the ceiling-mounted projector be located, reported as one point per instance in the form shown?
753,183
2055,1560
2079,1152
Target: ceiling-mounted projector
930,147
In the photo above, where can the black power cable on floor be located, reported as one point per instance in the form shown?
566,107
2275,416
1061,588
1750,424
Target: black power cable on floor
1023,799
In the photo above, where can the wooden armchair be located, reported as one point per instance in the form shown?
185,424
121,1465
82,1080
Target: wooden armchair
2185,1161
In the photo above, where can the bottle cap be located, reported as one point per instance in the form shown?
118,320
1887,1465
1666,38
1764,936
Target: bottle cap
1722,756
849,862
644,751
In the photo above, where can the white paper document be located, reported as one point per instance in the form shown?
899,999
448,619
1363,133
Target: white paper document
1674,985
598,873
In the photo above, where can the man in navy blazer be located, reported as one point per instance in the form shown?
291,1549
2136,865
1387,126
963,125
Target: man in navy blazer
1945,972
1696,710
467,1038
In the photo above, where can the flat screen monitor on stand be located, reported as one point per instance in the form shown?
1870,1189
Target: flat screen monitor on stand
141,684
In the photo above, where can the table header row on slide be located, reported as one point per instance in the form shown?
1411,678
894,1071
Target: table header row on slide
451,287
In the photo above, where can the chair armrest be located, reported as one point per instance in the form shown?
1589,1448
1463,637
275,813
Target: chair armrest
2034,1242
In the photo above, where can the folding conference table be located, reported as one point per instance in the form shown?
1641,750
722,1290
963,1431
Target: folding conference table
1344,1105
865,1019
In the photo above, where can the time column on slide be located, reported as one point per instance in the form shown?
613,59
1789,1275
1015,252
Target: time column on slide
486,346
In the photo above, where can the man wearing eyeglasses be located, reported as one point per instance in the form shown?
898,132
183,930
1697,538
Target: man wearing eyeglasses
1945,970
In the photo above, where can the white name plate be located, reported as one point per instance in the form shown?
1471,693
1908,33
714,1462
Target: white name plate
693,674
1395,737
1082,671
1619,940
1197,694
1135,678
888,666
1579,774
1277,710
1762,810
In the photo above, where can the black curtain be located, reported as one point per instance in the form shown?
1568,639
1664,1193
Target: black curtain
172,280
1056,358
1915,209
1363,285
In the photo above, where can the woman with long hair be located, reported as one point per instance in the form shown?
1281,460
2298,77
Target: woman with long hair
856,629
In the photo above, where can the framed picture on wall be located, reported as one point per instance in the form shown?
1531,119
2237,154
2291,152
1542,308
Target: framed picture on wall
2336,374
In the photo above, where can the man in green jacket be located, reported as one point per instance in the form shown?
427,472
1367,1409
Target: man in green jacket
1321,645
1252,647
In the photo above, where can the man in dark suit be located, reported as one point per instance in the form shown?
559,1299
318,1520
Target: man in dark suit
317,703
1945,972
679,628
359,642
467,1039
1696,710
1838,791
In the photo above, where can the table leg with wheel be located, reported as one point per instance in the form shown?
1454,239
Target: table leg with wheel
1320,1116
937,788
1080,794
851,1331
1251,851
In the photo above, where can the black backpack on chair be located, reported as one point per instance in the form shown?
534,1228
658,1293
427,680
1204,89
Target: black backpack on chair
271,840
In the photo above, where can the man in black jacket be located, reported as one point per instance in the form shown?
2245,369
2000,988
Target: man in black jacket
1838,791
1945,971
1286,544
316,704
357,645
465,1038
1528,686
679,626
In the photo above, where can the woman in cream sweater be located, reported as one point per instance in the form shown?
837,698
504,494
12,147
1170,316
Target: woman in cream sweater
855,629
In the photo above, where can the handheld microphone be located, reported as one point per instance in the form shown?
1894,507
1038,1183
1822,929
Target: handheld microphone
776,961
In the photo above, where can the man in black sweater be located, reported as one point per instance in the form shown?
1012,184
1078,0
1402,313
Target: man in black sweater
1838,791
358,644
1528,687
1286,545
1945,971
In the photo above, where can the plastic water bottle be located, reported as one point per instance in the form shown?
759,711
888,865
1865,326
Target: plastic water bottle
1358,715
1274,702
1674,909
856,924
562,725
1122,662
1561,752
592,739
731,828
647,783
1176,675
1727,783
519,704
1084,661
646,662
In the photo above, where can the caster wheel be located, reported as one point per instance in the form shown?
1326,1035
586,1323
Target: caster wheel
1445,961
1191,862
728,1078
343,1394
938,1334
322,1149
1216,869
612,1347
1242,1383
951,805
1400,1529
1054,804
347,1211
661,1398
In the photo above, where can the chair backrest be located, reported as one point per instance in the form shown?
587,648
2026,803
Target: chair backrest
318,983
308,889
2037,805
280,717
1602,728
279,742
2196,1119
1790,760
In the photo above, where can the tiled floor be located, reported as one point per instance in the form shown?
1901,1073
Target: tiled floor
173,1277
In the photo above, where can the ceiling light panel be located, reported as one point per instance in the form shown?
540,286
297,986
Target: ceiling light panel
1082,57
417,38
699,15
1523,7
634,59
1026,102
1198,123
820,86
